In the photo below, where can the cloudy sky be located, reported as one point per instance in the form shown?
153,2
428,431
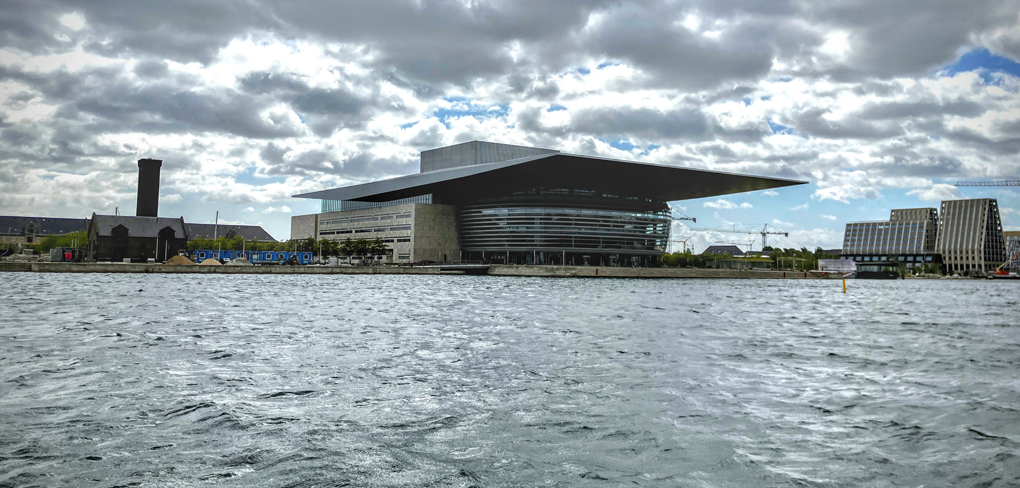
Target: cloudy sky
878,104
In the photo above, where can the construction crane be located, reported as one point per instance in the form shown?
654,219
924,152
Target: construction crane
1001,270
989,183
683,241
765,232
675,214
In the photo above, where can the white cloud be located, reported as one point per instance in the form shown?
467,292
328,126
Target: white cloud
828,217
802,206
783,224
844,193
172,198
73,21
359,106
937,192
724,204
281,209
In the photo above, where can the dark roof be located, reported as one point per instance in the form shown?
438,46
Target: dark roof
731,250
139,226
665,183
248,232
45,226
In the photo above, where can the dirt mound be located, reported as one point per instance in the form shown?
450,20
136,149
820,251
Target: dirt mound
179,261
210,262
239,262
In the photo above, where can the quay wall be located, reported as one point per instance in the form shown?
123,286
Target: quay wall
622,272
494,270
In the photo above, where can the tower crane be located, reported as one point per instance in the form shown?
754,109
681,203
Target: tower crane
675,214
989,183
683,241
765,232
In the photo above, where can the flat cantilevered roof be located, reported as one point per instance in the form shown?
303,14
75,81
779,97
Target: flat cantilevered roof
558,170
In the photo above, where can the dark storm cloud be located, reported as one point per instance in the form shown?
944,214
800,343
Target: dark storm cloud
931,167
811,122
524,54
896,110
909,36
282,161
689,124
651,39
151,69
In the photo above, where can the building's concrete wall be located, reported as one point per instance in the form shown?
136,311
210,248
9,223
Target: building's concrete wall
392,225
475,152
435,234
304,226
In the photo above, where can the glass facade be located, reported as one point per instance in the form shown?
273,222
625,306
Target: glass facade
552,228
344,205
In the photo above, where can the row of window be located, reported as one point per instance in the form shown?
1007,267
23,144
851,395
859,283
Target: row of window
366,230
354,220
909,259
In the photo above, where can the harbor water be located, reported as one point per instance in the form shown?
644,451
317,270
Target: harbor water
157,380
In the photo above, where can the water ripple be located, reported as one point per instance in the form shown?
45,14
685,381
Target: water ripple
261,380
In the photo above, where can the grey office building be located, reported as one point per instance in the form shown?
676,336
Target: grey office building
970,236
501,203
909,237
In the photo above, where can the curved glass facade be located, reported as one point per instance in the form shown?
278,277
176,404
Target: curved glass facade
552,228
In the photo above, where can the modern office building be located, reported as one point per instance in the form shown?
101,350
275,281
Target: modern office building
970,237
964,236
481,201
909,237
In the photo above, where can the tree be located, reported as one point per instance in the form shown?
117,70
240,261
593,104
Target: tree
377,248
346,249
360,247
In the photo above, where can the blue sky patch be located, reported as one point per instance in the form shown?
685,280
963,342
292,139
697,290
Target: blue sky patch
555,108
985,62
778,128
623,144
471,110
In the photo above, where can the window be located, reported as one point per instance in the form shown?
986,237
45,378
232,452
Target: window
404,240
401,227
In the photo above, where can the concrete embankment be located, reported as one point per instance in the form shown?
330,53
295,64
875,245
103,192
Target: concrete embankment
611,272
161,268
494,270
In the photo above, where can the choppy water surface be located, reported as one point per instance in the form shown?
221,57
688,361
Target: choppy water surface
174,380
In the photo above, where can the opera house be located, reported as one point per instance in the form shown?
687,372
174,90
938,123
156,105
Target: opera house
500,203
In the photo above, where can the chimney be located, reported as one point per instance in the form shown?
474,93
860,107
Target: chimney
148,187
